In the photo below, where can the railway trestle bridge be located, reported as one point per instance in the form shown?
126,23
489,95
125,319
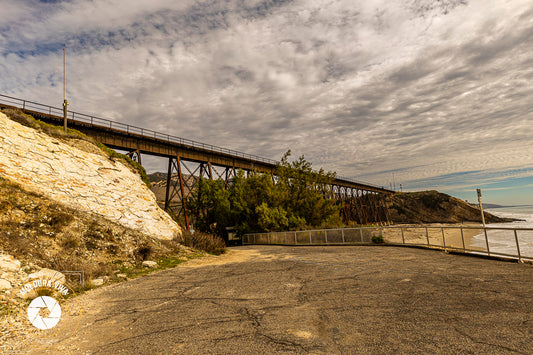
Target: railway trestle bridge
189,160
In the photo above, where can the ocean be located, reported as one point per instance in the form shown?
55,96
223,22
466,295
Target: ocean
518,212
504,241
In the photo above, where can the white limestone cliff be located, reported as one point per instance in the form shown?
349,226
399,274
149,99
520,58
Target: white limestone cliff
84,180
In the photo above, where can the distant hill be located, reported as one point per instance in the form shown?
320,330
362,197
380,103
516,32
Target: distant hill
157,177
436,207
487,205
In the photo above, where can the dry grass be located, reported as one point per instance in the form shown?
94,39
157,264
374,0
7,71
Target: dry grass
206,242
38,230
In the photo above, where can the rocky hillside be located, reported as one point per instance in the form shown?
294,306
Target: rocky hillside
78,174
435,207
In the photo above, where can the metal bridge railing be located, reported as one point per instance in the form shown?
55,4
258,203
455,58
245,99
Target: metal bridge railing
105,123
515,243
148,133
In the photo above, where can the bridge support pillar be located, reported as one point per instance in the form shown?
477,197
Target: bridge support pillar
172,190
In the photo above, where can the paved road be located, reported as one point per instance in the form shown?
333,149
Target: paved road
315,300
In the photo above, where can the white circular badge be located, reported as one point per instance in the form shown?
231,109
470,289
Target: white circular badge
53,317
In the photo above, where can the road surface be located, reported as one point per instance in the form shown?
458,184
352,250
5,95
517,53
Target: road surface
314,300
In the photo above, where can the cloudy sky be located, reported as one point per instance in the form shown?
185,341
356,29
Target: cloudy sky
433,94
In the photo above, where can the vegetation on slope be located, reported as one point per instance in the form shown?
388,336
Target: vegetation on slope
39,231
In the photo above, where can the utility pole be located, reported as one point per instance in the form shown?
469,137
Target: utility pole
481,206
65,102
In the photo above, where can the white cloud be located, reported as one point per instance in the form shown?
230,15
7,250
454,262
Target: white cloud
419,87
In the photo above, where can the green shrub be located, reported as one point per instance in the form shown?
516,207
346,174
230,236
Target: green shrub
378,239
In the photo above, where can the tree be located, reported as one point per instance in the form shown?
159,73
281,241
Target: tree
255,203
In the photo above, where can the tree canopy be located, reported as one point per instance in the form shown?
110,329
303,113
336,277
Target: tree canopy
293,198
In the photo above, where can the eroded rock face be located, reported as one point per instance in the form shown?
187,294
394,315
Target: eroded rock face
87,181
9,263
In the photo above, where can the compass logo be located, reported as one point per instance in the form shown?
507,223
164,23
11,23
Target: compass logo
47,305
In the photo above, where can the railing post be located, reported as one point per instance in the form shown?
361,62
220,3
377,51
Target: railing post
342,231
486,240
463,240
295,241
361,232
427,235
403,237
310,239
326,235
443,239
517,246
268,238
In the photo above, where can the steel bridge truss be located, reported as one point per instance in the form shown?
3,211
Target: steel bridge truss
357,205
189,160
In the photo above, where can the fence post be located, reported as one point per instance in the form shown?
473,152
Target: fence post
361,232
427,235
268,238
487,241
310,240
403,238
342,231
517,245
295,241
326,235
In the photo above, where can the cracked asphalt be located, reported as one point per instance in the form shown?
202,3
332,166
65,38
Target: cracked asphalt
314,300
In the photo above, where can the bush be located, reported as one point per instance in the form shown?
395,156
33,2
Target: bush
378,239
60,219
143,252
203,241
70,241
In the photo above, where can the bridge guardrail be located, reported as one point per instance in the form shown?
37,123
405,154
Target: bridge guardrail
515,243
102,122
105,123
